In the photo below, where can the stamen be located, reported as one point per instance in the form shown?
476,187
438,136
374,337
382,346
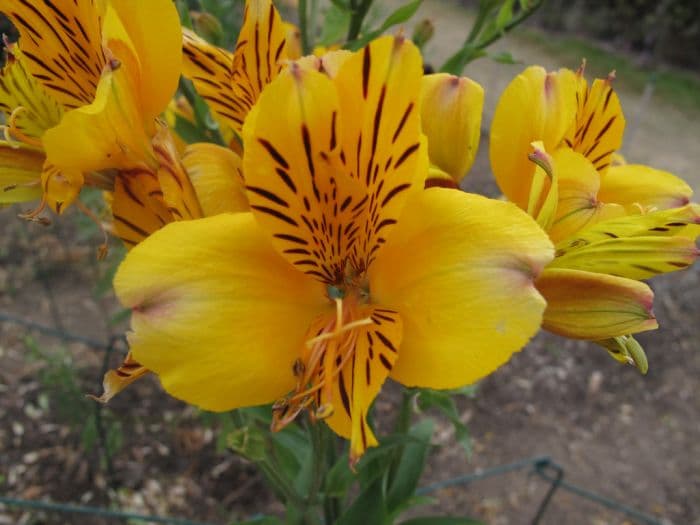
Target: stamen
329,352
33,215
15,131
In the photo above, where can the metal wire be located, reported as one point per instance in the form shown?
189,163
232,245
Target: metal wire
94,511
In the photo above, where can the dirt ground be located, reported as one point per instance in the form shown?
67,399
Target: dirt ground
632,438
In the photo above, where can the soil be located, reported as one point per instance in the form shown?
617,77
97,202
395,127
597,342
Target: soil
632,438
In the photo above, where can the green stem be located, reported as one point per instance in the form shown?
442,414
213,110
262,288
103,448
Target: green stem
403,423
331,505
358,15
303,27
524,15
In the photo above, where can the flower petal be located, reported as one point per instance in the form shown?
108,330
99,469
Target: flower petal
536,106
637,185
460,269
451,109
154,30
62,43
578,204
118,379
327,199
217,176
633,257
585,305
138,206
597,131
20,173
40,111
217,314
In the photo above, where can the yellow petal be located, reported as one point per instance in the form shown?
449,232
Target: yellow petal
663,223
381,141
329,184
62,43
138,206
579,205
451,109
358,379
597,131
216,174
217,314
18,89
637,185
632,257
536,106
154,30
118,379
61,186
544,193
585,305
459,269
178,191
108,133
293,37
210,70
20,173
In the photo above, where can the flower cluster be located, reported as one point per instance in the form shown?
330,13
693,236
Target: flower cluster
324,246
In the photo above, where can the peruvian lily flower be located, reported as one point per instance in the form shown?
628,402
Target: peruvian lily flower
231,83
612,223
345,271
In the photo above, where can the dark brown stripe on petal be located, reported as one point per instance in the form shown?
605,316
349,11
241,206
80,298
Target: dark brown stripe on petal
274,153
268,195
366,62
385,341
409,151
344,393
291,238
275,213
398,189
385,361
402,123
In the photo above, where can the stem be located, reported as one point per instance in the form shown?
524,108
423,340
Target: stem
303,28
358,15
403,423
331,505
524,15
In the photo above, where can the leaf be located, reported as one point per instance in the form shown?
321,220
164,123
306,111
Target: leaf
505,58
445,403
505,14
402,14
335,25
368,508
339,478
441,520
411,464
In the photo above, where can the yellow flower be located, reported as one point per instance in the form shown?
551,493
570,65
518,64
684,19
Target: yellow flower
231,83
346,271
612,223
102,72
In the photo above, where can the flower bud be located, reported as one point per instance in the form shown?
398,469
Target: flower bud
451,110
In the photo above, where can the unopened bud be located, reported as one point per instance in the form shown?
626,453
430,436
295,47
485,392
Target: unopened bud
207,26
451,109
423,32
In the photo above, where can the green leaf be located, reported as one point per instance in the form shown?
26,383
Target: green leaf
505,58
339,478
402,14
411,464
368,508
335,25
444,402
505,14
441,520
